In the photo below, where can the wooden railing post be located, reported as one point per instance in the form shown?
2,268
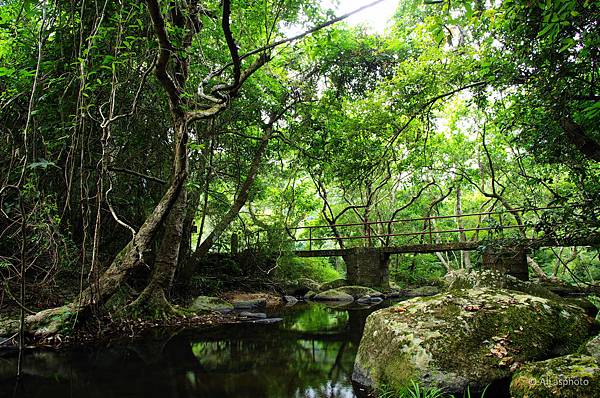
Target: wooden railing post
309,238
430,232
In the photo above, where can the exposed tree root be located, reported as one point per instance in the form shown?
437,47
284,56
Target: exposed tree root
152,305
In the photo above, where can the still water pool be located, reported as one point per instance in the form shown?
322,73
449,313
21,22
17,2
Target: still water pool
308,354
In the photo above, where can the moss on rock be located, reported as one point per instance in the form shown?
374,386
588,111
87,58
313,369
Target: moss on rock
570,376
8,327
207,303
333,295
592,347
334,284
461,279
308,284
421,291
359,291
464,337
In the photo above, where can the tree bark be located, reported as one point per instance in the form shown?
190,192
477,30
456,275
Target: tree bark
153,299
239,201
462,237
52,320
584,143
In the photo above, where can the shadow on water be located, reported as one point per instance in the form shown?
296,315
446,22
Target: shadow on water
309,354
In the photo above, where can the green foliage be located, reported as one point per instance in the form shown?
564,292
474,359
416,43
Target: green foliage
418,270
318,269
417,391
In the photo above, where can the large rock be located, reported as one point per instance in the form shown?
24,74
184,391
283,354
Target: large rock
592,348
255,304
207,303
359,291
461,279
420,291
308,284
334,284
347,294
290,300
571,376
301,286
333,295
464,337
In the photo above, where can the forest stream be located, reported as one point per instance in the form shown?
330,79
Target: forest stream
310,353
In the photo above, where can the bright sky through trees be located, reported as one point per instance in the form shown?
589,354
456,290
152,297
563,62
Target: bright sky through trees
374,18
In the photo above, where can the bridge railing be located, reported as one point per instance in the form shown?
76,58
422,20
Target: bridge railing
402,231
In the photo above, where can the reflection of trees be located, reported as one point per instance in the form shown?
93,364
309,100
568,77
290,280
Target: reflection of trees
284,368
306,354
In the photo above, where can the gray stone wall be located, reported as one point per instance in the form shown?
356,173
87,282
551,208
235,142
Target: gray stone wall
367,266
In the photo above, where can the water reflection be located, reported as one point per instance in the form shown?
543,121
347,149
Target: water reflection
309,354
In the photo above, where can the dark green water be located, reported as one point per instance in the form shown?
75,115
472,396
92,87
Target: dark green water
309,354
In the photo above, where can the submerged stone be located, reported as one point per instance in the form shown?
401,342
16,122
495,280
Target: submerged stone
250,304
267,320
257,315
463,338
208,303
368,300
570,376
290,300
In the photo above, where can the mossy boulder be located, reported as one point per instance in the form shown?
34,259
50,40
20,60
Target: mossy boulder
592,348
584,303
8,327
570,376
309,295
334,284
301,287
333,295
463,338
308,283
359,291
207,303
421,291
461,279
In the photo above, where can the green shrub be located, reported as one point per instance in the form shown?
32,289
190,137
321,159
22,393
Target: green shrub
318,269
425,270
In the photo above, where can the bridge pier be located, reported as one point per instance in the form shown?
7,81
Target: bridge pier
367,266
507,260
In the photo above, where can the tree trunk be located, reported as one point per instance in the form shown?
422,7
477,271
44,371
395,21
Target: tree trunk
186,264
462,237
153,299
238,203
53,320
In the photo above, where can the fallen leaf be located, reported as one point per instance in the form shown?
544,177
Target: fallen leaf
499,350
